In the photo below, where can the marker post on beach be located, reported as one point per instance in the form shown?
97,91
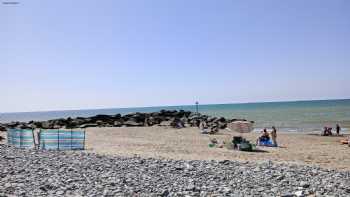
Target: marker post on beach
197,107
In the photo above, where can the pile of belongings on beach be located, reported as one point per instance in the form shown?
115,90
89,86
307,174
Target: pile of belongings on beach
237,143
208,128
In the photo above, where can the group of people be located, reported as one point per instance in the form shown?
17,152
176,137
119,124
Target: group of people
268,139
208,129
327,131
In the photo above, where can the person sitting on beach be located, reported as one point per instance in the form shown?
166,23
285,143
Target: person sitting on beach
203,127
214,129
329,132
179,124
324,131
264,137
338,129
274,136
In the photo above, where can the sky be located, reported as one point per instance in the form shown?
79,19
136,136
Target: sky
60,55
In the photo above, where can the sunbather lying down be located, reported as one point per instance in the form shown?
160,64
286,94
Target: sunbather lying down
346,141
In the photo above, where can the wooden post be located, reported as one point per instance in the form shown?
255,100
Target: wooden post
33,138
20,138
39,140
58,139
84,139
71,138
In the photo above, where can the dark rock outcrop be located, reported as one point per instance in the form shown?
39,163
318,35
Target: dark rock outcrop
167,118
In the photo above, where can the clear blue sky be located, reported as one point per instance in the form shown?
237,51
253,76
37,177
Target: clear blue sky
98,54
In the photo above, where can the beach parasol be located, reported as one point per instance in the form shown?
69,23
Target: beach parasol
240,126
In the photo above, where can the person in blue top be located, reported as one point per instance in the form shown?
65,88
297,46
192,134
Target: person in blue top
265,137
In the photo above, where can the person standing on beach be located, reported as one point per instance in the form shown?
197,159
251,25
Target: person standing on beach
274,136
338,129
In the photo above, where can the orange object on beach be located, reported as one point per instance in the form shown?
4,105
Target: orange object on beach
344,141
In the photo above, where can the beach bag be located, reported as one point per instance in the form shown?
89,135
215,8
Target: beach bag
237,140
245,146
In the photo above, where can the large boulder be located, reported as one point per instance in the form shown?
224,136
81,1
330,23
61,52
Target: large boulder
88,125
133,123
184,119
37,124
102,118
24,126
117,116
47,125
118,123
77,121
2,127
222,125
153,120
165,123
100,123
13,124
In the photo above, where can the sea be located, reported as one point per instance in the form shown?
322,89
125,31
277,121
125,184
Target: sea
291,116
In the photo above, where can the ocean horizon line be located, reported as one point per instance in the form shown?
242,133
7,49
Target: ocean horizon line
169,106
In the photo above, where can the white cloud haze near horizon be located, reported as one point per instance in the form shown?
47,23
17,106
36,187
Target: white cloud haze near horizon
59,55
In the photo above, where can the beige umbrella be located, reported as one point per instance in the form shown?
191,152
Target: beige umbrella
240,126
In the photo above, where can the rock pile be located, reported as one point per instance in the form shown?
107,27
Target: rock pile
54,173
168,118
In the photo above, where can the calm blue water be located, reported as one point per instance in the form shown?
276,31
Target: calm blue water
291,116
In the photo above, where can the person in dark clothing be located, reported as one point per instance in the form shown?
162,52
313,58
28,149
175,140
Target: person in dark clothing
330,131
325,131
338,129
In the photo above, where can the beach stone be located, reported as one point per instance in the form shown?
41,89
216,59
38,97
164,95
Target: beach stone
7,185
133,123
100,122
88,125
59,192
304,184
299,193
46,125
288,195
12,124
117,123
191,187
165,123
2,128
165,193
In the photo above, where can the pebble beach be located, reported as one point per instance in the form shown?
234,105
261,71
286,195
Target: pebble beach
150,155
58,173
159,161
